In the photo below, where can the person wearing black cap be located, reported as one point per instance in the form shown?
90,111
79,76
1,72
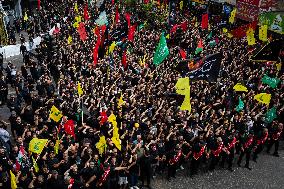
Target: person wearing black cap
246,141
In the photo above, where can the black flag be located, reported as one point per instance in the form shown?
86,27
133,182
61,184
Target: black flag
203,69
269,52
209,70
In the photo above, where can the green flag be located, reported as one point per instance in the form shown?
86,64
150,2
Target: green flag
210,35
271,115
198,50
162,51
140,27
212,43
272,82
240,106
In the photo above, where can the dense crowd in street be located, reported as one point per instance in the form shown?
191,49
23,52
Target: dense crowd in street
155,136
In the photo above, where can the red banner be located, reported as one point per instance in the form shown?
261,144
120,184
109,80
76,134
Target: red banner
248,9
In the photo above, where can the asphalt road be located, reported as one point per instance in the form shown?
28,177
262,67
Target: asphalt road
268,173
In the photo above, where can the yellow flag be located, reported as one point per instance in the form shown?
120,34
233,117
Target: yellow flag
263,98
26,17
196,24
56,146
112,118
69,40
55,114
229,35
78,19
36,145
225,30
120,101
250,36
80,90
13,180
183,88
76,8
101,145
181,5
240,87
168,36
116,142
278,66
35,165
263,33
232,16
112,47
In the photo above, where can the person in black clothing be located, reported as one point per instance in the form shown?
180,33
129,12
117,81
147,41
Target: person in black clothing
1,61
54,180
173,163
246,141
198,151
229,142
260,140
275,133
145,167
134,171
216,149
3,91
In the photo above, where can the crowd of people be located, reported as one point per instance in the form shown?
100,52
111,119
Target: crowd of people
156,137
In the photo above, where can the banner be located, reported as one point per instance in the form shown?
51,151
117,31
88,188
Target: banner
274,21
247,9
209,70
270,52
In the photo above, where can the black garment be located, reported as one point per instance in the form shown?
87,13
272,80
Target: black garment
55,183
145,167
270,144
247,153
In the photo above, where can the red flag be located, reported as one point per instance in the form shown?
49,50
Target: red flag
56,31
127,17
216,40
103,29
204,23
146,1
116,15
96,48
69,128
241,31
38,4
86,14
174,28
182,53
104,117
112,2
200,44
131,32
184,26
123,61
82,31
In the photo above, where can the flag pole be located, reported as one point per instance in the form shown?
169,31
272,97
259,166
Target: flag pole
82,111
